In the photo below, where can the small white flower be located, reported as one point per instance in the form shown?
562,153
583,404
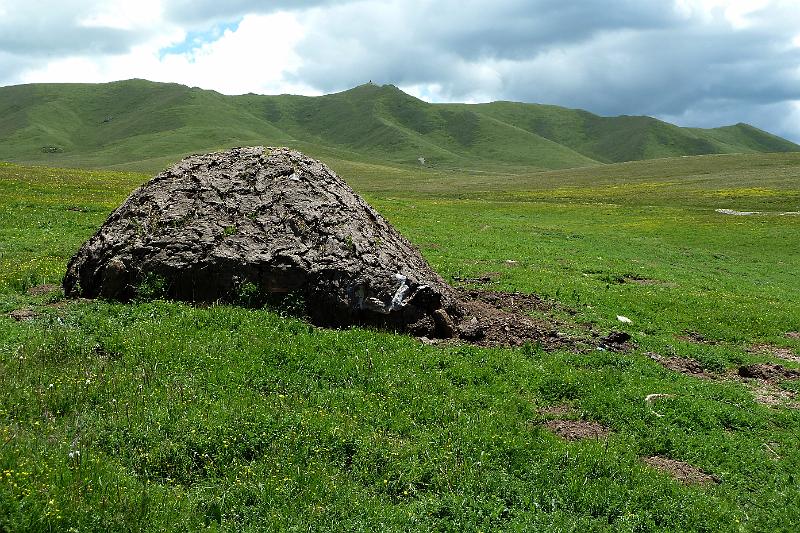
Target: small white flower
624,319
75,455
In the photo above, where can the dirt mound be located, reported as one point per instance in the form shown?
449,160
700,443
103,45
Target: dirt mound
768,372
259,225
683,472
684,365
251,225
577,429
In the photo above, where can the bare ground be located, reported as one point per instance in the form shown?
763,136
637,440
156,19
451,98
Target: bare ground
780,352
680,471
763,379
577,429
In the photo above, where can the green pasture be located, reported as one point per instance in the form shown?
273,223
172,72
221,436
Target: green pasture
159,415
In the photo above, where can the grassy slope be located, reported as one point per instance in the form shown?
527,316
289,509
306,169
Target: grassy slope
143,125
244,420
626,138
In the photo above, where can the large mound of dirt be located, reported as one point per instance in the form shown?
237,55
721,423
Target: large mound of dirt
251,225
257,223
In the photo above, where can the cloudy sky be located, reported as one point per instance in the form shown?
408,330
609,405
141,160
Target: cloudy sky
692,62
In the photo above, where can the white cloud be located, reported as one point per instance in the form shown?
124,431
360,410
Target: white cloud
736,12
258,57
124,15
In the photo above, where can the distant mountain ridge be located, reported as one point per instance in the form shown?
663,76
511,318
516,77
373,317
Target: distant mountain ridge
143,124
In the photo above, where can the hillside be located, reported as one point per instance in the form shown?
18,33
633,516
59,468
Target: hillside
144,125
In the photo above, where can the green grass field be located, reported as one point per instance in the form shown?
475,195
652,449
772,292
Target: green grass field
162,416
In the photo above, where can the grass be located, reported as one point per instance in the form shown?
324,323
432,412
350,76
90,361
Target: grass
141,125
185,418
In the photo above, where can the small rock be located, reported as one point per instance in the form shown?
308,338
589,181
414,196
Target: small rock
624,319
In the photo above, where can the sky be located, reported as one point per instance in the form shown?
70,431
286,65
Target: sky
702,63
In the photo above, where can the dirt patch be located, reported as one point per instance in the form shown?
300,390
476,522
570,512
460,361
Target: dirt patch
494,318
513,302
23,315
486,325
487,277
561,409
500,319
577,429
684,365
793,335
781,352
41,290
768,372
683,472
617,341
772,396
764,379
639,280
761,378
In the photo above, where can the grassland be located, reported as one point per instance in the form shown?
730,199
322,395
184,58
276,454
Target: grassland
237,420
141,125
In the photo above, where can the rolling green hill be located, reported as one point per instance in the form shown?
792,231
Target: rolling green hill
145,125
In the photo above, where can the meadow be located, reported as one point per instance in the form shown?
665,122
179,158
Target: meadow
159,415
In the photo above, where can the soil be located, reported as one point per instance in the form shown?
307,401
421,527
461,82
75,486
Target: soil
513,302
23,315
781,352
40,290
773,396
617,341
793,335
557,410
683,472
577,429
487,277
636,280
768,372
684,365
498,319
